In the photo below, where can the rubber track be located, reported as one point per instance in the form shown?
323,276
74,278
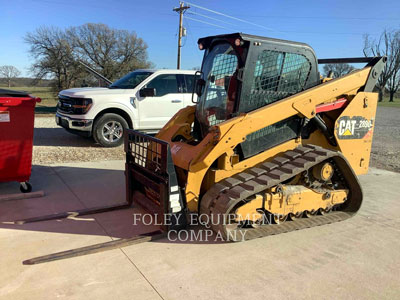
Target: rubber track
227,195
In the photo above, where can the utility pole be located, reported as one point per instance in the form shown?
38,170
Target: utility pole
181,9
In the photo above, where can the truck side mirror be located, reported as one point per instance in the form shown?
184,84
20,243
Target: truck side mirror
147,92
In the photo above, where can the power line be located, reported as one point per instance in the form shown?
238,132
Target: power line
228,16
211,18
261,26
284,31
322,18
197,20
281,31
189,35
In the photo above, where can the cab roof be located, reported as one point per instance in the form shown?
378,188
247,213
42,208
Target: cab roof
206,41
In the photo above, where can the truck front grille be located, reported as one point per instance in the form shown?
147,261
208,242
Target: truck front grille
65,105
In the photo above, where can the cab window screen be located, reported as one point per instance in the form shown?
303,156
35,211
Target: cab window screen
223,66
277,75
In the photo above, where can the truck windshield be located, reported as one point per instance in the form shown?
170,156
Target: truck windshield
217,100
131,80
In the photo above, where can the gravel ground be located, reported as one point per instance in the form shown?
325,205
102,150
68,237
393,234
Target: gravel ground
386,143
52,144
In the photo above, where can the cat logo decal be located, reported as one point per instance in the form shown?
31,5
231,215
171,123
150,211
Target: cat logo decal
356,127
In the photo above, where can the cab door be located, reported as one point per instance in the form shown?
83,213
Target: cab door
157,110
188,80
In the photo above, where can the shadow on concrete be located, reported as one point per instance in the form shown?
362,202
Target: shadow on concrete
59,137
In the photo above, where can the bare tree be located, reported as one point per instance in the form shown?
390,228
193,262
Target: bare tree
9,73
112,52
338,69
53,56
393,84
388,45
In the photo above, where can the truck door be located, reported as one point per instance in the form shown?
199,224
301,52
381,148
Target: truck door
156,111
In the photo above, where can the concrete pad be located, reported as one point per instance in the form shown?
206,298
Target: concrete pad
58,197
110,276
96,184
357,258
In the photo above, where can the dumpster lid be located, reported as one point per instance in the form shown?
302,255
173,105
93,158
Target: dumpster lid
12,93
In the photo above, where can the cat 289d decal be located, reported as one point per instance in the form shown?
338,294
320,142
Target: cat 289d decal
356,127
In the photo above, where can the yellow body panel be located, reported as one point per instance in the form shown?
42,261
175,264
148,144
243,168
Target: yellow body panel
354,130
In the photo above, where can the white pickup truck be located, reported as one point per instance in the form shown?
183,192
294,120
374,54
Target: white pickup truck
143,99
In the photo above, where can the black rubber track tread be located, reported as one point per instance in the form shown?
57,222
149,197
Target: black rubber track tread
224,197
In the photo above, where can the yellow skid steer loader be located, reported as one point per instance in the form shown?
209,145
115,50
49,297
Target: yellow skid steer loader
269,146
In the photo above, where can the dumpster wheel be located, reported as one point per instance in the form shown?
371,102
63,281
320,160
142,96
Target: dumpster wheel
25,187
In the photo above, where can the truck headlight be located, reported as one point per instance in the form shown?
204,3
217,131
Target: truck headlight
83,106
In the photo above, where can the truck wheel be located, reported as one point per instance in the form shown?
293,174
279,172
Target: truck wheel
109,129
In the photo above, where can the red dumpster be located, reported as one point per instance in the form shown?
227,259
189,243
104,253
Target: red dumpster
17,113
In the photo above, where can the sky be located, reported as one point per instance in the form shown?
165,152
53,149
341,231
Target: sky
333,28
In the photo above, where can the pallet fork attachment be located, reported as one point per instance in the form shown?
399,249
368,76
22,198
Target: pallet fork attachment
145,156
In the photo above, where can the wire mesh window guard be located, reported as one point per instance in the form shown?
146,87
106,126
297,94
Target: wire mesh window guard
277,75
223,67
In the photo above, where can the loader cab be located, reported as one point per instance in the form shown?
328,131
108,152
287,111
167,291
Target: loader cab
241,73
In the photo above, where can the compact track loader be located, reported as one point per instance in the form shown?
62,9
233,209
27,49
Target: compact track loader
269,147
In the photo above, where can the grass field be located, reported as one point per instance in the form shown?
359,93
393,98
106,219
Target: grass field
49,99
385,102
